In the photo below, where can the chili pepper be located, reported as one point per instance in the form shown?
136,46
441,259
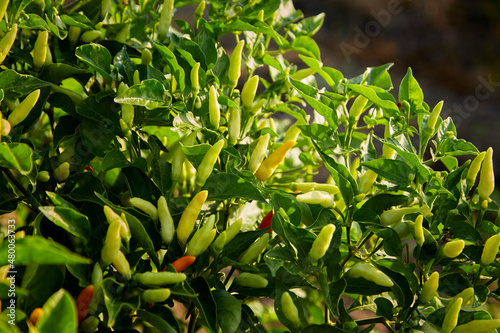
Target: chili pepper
73,34
213,108
429,288
353,168
392,216
269,165
40,49
432,120
122,35
195,83
155,295
387,152
366,181
96,282
357,109
490,250
251,280
166,15
112,244
474,168
258,106
6,127
219,243
146,57
487,177
451,317
146,206
48,58
202,238
7,41
112,217
478,326
3,8
122,265
321,243
419,230
89,325
137,78
105,8
233,230
159,278
453,249
183,262
466,295
83,302
322,198
233,125
254,250
61,173
189,216
35,315
289,309
207,163
292,133
198,13
234,70
22,110
43,176
178,156
370,273
248,92
167,227
259,153
267,221
90,35
312,186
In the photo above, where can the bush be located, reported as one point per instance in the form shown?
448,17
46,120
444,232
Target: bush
149,167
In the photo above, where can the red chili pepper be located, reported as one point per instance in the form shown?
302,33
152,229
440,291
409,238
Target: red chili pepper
88,168
83,302
267,221
183,262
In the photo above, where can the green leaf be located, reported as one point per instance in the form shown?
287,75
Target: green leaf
281,257
378,76
306,45
17,156
377,96
171,60
240,244
290,206
204,302
189,50
97,57
156,321
228,311
384,308
410,91
301,239
55,73
17,85
149,93
77,20
392,170
310,25
32,21
77,187
37,249
114,159
69,219
113,291
222,186
59,314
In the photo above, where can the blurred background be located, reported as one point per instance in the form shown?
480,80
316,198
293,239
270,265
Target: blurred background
452,46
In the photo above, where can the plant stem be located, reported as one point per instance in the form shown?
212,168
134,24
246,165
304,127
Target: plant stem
229,275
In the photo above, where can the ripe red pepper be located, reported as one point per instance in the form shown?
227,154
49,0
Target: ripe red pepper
83,302
267,221
183,262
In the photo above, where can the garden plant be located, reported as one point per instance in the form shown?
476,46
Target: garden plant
212,174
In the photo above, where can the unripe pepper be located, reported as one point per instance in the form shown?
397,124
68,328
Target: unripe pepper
146,206
3,8
432,120
7,41
112,217
122,35
490,250
166,15
189,216
453,249
159,278
195,82
234,125
112,244
356,109
370,273
487,176
251,280
6,127
83,302
387,152
202,238
35,315
292,133
267,167
198,13
213,108
310,186
178,156
451,317
366,181
233,230
267,221
90,35
61,173
96,279
259,153
234,71
22,110
183,262
419,230
429,288
73,34
248,92
258,106
254,250
137,78
219,243
322,198
122,265
43,176
478,326
155,295
146,57
321,243
392,216
167,228
207,163
474,168
40,49
89,325
289,309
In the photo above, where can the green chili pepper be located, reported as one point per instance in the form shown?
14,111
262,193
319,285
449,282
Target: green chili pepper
219,243
234,125
321,243
166,15
22,110
248,92
190,215
105,8
112,217
3,8
112,244
269,165
357,109
195,82
258,153
7,41
213,108
453,249
387,152
202,238
392,216
366,181
451,317
432,120
419,230
167,227
198,13
122,35
292,133
146,57
155,295
487,176
322,198
235,65
429,288
159,278
289,309
207,163
490,250
90,35
62,172
370,273
251,280
73,34
122,265
474,168
43,176
312,186
478,326
254,250
178,156
233,230
146,206
40,49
